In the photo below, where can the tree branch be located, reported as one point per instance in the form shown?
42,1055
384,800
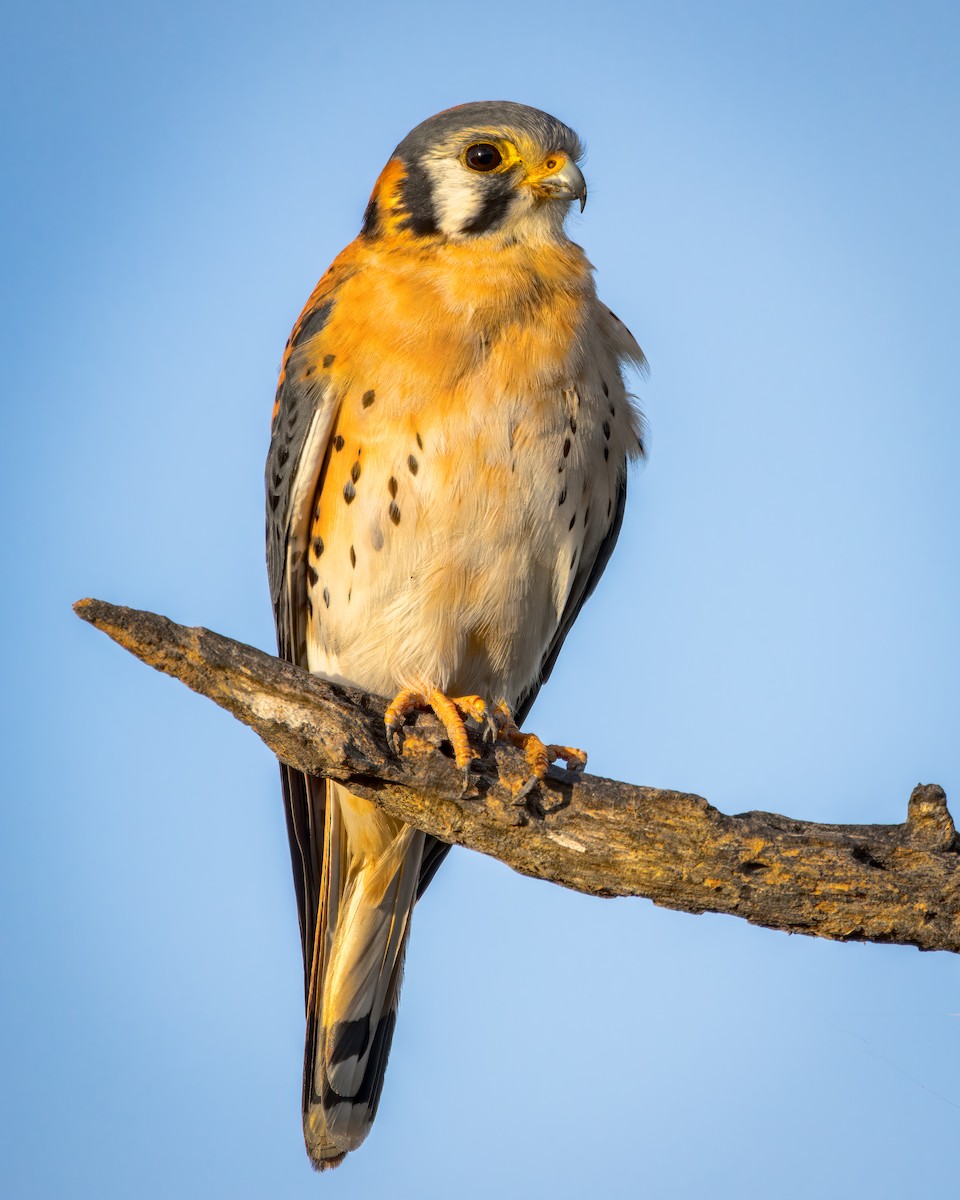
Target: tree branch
877,883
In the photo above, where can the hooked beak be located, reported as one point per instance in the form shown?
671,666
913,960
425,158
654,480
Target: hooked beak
559,178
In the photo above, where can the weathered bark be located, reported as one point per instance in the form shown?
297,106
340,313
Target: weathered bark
878,883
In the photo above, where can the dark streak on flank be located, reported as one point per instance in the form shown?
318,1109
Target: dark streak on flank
562,499
392,487
328,360
419,441
313,322
338,443
349,491
326,597
573,521
355,471
318,546
368,398
573,424
566,447
394,514
353,557
313,576
606,430
413,465
606,454
606,390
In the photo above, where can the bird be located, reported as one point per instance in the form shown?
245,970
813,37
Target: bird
445,483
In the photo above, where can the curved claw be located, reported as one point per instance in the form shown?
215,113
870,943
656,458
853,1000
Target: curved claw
446,710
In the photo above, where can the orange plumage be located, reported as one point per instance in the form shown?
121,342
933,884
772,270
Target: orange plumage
445,484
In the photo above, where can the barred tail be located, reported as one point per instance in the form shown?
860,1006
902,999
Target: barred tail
371,868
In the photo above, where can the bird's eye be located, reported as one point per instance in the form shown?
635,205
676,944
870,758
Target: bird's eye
483,157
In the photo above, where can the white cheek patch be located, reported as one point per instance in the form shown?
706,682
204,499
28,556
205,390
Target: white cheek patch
457,197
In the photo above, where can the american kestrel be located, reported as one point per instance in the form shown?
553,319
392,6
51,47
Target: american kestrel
445,484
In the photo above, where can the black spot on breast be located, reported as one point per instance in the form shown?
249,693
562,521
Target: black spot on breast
313,576
368,398
318,546
606,430
394,514
566,447
308,372
606,454
562,499
419,441
338,443
573,561
349,491
326,597
413,465
573,424
392,486
586,514
353,557
606,390
329,359
573,521
355,472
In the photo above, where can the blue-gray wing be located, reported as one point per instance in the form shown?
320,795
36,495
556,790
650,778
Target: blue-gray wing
304,413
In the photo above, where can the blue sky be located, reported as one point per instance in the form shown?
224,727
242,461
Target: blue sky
773,211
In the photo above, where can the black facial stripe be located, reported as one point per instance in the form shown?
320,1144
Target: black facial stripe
416,196
371,220
496,201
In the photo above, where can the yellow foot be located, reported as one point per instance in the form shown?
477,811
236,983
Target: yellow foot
448,710
537,753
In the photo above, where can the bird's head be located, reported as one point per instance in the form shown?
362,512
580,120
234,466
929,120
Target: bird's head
492,168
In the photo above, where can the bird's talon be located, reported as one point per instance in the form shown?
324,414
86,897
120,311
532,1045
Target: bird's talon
520,799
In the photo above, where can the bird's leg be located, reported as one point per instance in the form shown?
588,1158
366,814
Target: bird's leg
538,754
448,710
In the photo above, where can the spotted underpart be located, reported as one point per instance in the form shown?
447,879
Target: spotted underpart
445,484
